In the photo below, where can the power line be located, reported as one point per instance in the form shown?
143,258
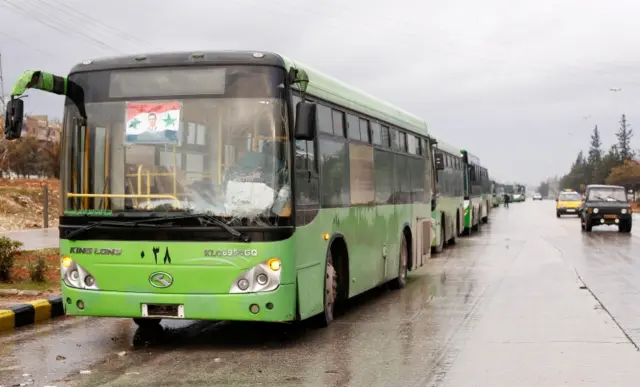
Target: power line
30,15
110,29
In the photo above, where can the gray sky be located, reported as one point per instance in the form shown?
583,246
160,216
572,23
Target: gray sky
519,83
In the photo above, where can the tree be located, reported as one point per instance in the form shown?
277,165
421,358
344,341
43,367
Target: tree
577,175
594,157
624,135
543,188
609,161
627,174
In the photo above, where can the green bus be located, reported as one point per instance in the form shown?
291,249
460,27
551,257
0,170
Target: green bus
231,186
477,192
448,217
497,193
519,194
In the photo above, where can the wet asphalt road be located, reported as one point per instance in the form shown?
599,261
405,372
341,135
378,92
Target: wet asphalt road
502,308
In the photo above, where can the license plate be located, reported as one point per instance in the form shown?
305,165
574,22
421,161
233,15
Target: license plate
571,210
163,310
610,216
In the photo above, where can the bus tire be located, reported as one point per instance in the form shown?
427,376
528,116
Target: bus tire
454,237
330,292
475,227
401,280
485,220
147,323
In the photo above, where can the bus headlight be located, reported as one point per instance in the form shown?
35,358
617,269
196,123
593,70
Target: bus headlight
595,210
623,211
76,276
263,277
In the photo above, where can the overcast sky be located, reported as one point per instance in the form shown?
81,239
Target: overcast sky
519,83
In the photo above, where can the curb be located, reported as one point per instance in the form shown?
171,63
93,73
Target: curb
33,311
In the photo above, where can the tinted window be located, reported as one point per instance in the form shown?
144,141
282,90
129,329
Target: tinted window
338,123
385,136
412,144
383,171
364,130
403,141
393,136
334,172
353,127
325,123
376,133
403,179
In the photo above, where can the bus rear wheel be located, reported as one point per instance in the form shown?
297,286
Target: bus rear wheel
400,281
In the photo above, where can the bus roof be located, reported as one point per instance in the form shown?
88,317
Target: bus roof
338,92
447,147
320,84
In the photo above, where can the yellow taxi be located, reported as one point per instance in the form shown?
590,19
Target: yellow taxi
568,203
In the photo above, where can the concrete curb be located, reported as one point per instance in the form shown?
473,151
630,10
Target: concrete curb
33,311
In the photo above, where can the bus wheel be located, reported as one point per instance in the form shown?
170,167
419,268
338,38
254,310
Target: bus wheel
476,226
330,292
146,323
453,239
400,281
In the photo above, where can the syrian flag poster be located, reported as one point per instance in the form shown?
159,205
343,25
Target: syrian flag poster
153,122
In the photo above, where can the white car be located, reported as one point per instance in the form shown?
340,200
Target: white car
537,196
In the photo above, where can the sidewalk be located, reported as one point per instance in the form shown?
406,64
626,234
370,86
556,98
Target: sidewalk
35,239
540,328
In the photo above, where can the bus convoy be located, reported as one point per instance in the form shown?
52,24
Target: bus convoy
244,186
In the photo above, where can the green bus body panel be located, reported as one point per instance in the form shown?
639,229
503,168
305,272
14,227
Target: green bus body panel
447,205
202,283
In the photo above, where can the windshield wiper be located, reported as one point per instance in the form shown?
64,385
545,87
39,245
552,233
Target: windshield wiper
134,223
216,220
211,219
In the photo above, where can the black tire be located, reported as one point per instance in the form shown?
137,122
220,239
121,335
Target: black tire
330,293
146,323
624,227
557,214
477,225
454,238
588,226
401,281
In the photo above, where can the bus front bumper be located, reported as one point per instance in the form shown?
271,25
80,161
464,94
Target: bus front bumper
276,306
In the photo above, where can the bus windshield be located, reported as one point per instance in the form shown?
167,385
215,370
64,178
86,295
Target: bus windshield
210,140
509,189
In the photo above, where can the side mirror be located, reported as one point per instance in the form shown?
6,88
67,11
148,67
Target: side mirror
306,115
13,119
439,161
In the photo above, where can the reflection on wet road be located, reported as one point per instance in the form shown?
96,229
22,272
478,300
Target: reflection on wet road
502,308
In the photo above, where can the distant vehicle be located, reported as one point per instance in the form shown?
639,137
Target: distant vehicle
497,193
520,194
606,204
568,203
537,196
